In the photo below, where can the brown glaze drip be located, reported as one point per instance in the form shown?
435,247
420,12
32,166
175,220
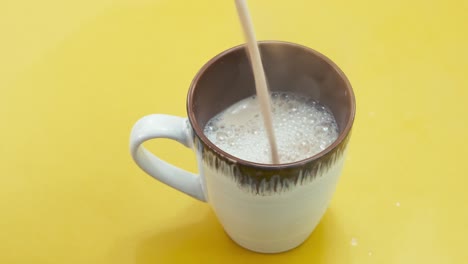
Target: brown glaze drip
257,180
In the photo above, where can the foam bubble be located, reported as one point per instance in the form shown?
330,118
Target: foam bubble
303,127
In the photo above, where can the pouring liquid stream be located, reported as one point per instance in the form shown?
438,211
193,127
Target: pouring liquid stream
259,75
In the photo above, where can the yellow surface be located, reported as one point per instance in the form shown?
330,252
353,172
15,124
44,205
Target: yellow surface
75,76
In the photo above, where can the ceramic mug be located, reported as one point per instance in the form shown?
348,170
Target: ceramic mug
262,207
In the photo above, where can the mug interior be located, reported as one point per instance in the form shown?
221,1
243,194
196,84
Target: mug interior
228,78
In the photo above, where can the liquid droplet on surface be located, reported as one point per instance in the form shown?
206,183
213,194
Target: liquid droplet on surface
354,242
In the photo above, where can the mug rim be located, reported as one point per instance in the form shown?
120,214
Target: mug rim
199,131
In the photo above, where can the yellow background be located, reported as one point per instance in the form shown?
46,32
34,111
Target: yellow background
75,76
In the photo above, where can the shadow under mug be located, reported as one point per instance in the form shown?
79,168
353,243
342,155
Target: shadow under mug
262,207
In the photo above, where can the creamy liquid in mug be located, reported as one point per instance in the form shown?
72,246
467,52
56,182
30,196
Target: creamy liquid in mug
302,126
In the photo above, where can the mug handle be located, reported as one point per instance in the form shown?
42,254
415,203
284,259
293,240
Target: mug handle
165,126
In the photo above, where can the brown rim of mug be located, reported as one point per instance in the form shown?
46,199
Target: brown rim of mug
199,131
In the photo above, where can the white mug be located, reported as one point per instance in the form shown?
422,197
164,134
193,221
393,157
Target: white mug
262,207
